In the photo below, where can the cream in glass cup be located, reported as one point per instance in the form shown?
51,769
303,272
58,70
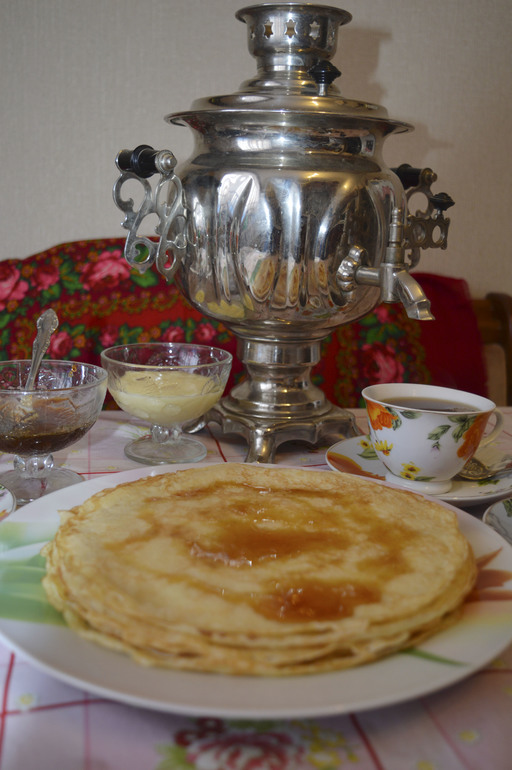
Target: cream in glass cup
425,434
166,384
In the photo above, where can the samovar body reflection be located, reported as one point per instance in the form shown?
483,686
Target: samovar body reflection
285,223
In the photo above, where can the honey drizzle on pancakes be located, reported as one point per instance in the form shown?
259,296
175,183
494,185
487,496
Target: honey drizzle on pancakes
244,569
252,533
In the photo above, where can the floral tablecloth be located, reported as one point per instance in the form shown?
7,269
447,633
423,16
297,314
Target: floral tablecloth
47,724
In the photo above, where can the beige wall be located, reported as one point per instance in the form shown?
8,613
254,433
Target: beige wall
81,79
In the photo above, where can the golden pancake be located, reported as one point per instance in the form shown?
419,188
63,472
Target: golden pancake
250,569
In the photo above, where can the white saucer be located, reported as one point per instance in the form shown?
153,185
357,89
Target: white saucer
499,517
356,455
7,502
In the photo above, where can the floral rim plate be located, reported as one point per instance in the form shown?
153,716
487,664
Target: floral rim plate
34,630
356,455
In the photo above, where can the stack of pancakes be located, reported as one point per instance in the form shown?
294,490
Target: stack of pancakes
249,569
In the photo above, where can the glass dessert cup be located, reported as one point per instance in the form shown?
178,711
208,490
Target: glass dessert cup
65,403
166,384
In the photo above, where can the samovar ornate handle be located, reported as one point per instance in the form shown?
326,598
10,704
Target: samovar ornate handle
166,201
425,229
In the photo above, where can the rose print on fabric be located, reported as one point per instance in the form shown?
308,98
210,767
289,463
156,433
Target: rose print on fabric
61,344
216,744
46,276
12,287
107,270
380,363
174,334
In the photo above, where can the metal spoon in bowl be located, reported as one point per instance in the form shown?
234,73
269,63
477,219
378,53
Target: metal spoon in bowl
46,325
476,470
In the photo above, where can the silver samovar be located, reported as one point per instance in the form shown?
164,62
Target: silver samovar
285,223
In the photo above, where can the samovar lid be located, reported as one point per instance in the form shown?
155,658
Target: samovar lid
293,44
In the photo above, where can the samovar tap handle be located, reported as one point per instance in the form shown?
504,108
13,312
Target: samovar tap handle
166,201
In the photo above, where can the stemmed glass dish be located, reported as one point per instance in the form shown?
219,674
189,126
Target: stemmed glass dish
63,405
167,384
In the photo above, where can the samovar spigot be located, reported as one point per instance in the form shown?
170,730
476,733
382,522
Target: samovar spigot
392,275
396,281
425,229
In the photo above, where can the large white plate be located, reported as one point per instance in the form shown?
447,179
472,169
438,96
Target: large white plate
354,455
484,631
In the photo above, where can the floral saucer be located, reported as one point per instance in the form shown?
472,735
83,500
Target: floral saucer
357,455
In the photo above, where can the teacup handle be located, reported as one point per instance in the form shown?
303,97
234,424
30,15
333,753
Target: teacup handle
498,427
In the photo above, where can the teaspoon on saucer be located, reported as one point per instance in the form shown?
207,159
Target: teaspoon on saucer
476,470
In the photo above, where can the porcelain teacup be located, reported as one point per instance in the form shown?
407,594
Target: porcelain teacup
424,434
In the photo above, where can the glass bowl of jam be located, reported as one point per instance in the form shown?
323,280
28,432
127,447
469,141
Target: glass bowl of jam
63,405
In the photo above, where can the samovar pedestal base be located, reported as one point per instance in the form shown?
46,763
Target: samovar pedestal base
264,435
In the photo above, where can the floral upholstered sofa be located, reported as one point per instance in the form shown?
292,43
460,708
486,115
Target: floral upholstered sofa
101,301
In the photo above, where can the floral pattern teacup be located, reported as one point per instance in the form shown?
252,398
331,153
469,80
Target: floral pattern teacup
424,434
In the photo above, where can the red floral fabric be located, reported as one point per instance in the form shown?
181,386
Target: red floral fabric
101,301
